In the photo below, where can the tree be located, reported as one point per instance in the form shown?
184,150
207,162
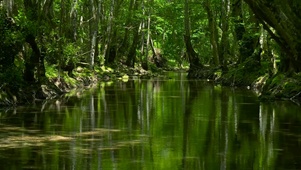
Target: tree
131,56
191,54
213,33
283,17
110,51
94,14
224,50
36,59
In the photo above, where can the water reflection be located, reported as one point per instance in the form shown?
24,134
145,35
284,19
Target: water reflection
163,123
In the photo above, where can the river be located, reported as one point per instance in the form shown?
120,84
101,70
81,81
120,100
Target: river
165,123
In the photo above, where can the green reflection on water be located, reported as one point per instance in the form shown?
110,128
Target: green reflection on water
163,123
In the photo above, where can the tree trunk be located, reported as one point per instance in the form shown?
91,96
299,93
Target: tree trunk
9,4
142,31
33,61
225,46
239,29
37,58
284,17
112,32
151,43
132,51
128,26
108,50
73,17
148,38
191,54
131,57
93,32
267,51
213,33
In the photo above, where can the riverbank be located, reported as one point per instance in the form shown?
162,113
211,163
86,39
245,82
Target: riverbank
256,76
56,85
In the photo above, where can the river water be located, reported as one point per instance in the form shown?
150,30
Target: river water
162,123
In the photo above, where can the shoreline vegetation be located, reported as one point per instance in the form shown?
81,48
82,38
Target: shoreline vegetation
268,88
49,47
55,86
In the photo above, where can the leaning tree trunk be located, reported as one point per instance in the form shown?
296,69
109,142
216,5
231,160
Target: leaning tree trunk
283,17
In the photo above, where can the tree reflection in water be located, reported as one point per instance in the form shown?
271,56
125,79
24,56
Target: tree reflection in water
161,123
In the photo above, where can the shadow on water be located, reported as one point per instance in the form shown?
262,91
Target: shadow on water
162,123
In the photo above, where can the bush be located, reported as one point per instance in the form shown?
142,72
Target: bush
245,74
13,77
10,41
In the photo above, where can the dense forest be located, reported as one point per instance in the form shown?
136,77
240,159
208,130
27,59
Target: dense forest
45,44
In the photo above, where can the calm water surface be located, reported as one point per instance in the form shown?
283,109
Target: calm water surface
162,123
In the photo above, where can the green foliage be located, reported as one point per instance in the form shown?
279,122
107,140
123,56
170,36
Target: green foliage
10,41
245,74
64,32
282,86
51,71
21,19
13,77
278,79
70,53
53,53
26,25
